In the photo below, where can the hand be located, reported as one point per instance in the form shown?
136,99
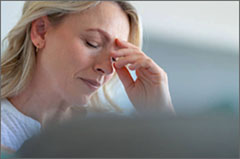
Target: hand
150,91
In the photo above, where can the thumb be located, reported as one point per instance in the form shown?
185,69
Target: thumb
125,77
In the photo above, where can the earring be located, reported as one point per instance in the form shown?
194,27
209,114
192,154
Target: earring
37,48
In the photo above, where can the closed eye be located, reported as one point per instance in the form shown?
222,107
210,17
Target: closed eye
91,45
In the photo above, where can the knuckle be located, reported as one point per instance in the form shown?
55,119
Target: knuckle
164,75
148,60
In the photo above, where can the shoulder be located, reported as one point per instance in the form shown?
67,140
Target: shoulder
15,127
7,112
4,104
10,115
7,109
9,126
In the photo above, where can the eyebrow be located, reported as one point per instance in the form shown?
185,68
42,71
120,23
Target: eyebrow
102,32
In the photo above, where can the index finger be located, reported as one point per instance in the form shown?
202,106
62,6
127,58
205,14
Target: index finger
124,44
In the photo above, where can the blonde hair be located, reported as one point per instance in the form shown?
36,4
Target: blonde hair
18,59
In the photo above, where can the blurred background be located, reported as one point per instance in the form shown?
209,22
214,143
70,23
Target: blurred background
196,43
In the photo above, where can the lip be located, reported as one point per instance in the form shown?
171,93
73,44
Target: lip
93,84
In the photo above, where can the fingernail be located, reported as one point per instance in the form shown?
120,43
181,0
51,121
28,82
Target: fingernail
116,40
115,66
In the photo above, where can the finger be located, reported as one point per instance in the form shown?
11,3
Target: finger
124,44
128,60
125,77
137,65
124,52
146,63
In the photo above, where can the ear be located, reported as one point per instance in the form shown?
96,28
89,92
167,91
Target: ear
38,31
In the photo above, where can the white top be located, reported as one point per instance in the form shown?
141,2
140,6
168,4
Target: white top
15,126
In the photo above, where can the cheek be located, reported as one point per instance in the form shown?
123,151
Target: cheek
63,59
76,55
69,48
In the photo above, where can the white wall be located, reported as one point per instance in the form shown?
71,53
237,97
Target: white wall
10,13
212,23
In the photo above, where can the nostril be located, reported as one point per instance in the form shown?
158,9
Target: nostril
98,69
113,59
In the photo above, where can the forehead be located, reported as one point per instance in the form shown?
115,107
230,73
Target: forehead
107,16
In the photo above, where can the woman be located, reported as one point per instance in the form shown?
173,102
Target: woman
60,53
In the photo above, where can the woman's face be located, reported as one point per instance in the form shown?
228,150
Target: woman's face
76,57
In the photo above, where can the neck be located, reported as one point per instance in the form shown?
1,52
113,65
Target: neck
40,108
40,102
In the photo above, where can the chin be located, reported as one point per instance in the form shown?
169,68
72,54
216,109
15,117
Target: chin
79,100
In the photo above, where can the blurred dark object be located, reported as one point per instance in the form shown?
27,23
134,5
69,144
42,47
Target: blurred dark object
209,136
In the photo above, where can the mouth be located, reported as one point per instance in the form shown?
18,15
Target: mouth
92,84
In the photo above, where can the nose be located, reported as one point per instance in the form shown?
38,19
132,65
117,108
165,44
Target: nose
103,65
